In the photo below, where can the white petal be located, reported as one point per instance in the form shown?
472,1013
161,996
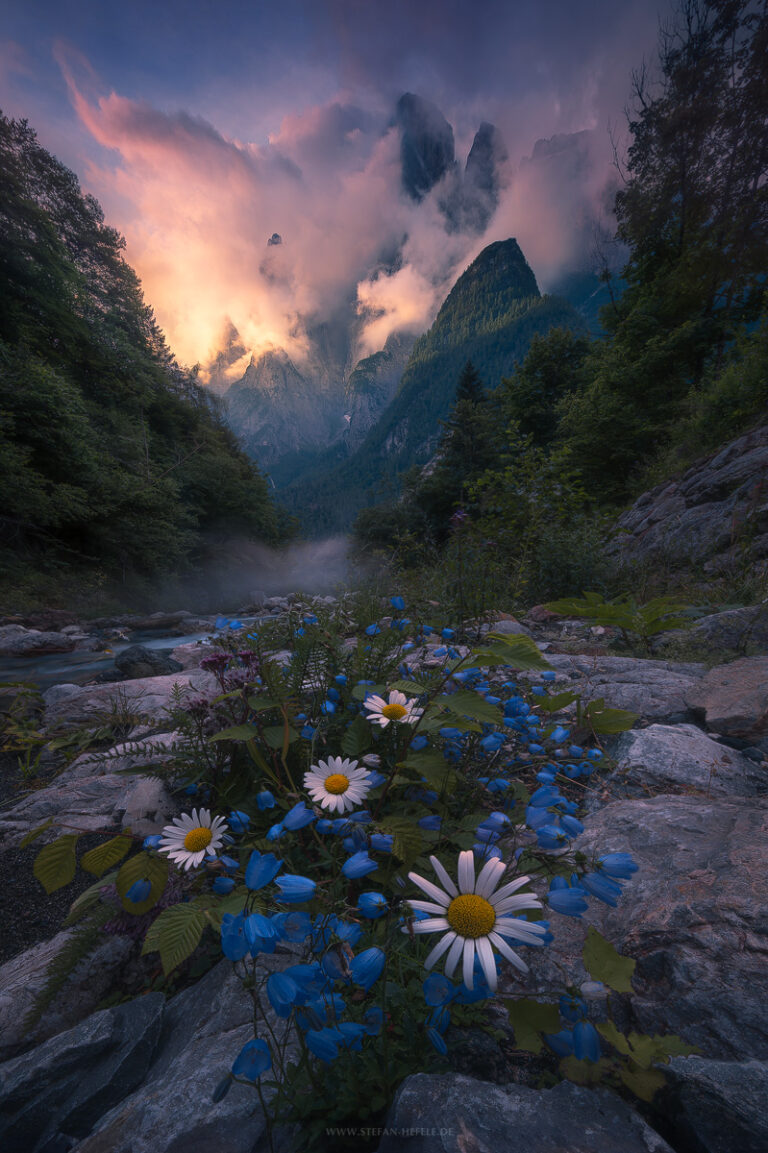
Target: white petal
453,956
397,698
445,880
467,871
442,945
487,960
512,887
507,953
490,875
469,963
431,925
426,907
374,702
521,901
518,930
431,890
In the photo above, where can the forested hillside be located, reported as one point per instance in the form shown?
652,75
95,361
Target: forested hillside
584,426
490,317
114,466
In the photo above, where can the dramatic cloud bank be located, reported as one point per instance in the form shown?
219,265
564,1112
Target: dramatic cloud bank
309,222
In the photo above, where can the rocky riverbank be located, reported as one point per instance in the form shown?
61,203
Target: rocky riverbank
687,796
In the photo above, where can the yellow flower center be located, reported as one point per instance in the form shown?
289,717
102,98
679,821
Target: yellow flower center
394,712
197,839
337,783
471,916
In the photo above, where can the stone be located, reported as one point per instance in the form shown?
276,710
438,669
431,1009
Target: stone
716,1106
695,918
150,697
204,1030
715,514
675,758
450,1113
188,656
94,793
735,630
138,661
63,1086
733,699
16,641
506,628
24,976
655,690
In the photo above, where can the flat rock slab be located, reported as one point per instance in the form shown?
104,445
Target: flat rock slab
655,690
717,1106
23,978
455,1114
93,793
149,697
733,698
64,1085
695,918
681,758
204,1029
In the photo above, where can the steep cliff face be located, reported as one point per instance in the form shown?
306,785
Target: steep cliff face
715,515
373,385
426,144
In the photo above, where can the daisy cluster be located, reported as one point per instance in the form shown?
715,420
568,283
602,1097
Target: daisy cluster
401,809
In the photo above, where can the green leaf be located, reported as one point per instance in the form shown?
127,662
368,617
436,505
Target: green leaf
471,705
604,720
408,839
604,964
357,739
87,900
33,834
670,1045
144,866
261,704
519,652
55,864
275,735
433,767
103,857
644,1083
410,688
612,1035
175,934
584,1072
236,733
359,692
554,703
530,1019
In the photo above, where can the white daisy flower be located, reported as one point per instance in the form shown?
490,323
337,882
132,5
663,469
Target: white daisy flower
193,837
476,917
398,708
337,784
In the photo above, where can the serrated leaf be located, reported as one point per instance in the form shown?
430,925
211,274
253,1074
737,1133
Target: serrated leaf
670,1045
519,652
584,1072
612,1035
471,705
236,733
55,864
103,857
144,866
175,934
644,1083
33,834
530,1019
408,839
410,688
261,704
275,736
604,720
433,768
644,1049
87,900
359,692
554,703
604,963
357,739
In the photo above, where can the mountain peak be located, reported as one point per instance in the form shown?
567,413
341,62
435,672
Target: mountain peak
426,144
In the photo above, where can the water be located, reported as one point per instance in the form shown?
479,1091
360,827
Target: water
49,669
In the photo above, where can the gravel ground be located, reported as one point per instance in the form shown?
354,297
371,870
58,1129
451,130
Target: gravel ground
27,914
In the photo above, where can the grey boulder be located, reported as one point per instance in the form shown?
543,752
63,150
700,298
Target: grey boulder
450,1113
676,758
716,1106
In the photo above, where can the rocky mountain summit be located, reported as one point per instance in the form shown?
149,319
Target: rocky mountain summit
687,795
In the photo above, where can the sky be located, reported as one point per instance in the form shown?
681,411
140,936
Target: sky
204,127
